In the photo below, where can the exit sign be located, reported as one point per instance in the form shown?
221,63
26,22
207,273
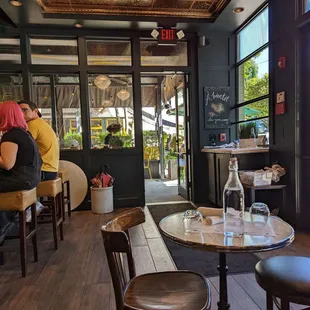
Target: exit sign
167,36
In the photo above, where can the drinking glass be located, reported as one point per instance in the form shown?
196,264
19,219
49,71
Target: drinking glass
259,213
191,217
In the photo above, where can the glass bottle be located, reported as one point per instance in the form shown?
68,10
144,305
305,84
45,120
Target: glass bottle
233,198
253,135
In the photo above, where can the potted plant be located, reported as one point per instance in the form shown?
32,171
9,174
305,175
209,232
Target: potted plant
248,135
172,159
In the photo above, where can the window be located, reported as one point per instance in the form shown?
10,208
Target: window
54,52
108,53
69,125
307,5
11,87
253,35
153,54
10,51
41,95
253,78
111,111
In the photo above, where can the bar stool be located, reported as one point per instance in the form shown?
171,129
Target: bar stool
52,190
64,175
20,202
285,277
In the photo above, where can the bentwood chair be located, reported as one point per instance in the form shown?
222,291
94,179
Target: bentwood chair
285,277
177,290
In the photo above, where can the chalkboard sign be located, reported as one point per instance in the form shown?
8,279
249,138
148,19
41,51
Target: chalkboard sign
217,107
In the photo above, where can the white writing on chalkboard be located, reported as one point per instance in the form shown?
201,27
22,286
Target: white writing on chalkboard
214,95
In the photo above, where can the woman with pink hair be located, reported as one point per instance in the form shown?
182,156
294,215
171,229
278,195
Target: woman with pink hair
20,160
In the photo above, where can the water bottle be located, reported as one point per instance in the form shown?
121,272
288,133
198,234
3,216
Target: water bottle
233,198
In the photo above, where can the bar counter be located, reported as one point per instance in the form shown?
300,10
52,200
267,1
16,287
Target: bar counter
236,151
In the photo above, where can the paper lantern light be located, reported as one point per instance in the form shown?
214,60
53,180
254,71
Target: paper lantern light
123,94
102,81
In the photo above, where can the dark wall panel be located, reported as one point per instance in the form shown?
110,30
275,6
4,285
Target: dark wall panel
283,42
215,68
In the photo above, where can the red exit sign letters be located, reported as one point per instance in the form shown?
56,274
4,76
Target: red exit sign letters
167,36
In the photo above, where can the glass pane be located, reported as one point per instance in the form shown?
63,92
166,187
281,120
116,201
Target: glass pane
41,95
10,51
11,87
254,77
307,5
181,138
111,111
261,128
108,53
54,52
69,122
254,35
254,110
153,54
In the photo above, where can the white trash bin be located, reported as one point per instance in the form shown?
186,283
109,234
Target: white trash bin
102,199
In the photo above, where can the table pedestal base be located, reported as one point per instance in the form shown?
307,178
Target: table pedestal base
222,268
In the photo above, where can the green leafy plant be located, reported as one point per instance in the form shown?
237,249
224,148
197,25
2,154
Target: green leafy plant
246,129
71,137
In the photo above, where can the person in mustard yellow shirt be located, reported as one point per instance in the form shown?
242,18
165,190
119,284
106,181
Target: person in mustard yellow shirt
45,137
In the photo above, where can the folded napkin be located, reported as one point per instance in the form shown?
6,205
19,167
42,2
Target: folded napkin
211,216
212,220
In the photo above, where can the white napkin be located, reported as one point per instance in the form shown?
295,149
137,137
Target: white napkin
211,216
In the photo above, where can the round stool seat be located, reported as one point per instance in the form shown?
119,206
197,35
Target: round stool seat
17,201
49,188
64,175
285,275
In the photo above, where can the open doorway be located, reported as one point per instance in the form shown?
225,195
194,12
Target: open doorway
165,137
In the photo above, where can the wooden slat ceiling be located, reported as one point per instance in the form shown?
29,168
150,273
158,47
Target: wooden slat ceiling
207,9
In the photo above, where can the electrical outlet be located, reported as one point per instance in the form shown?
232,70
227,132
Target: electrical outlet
281,97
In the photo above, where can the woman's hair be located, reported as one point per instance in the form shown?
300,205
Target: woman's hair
11,116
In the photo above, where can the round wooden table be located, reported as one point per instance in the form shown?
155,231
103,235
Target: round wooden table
172,227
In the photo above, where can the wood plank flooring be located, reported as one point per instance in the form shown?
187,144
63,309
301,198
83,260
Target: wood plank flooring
77,275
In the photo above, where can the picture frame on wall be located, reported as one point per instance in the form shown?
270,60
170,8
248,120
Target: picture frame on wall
216,107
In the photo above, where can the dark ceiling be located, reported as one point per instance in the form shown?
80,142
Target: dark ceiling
220,12
206,9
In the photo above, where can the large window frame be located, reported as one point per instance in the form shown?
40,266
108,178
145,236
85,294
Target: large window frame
260,118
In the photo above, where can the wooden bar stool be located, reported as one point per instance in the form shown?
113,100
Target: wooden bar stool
163,290
64,175
21,201
285,277
52,190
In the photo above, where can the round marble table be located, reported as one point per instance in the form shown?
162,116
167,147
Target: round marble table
172,227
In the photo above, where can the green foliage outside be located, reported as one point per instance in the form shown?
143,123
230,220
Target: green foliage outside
72,139
255,87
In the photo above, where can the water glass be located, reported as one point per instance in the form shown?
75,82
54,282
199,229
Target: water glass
190,217
259,213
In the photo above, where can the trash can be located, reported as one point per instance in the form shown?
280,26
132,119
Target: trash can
101,199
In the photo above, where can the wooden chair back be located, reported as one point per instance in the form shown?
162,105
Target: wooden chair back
118,249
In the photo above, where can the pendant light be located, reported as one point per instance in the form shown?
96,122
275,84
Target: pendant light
102,81
123,94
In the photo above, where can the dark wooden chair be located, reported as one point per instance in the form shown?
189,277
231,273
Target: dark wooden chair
178,290
285,277
52,190
20,202
66,200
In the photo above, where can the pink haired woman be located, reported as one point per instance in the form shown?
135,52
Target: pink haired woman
20,160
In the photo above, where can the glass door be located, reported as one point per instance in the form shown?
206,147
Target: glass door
182,139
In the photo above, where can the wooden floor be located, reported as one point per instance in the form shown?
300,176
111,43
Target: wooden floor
77,275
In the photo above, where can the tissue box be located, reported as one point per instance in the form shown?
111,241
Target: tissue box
255,178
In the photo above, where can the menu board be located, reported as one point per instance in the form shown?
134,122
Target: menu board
217,107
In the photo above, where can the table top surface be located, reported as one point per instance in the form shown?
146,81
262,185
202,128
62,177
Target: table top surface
172,227
236,151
